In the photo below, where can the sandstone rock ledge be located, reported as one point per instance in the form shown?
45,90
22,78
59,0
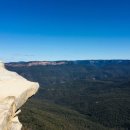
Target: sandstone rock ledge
14,92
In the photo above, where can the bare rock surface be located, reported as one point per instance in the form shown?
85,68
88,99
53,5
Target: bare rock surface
14,92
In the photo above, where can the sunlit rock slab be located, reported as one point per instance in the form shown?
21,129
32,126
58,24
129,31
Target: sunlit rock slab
14,92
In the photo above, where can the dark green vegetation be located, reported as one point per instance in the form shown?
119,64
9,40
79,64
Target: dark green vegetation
92,92
42,115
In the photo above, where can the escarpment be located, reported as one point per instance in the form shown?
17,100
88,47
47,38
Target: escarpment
14,92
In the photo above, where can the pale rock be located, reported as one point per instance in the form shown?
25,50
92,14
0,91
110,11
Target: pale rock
14,92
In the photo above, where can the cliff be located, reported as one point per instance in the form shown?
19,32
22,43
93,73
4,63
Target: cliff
36,63
14,92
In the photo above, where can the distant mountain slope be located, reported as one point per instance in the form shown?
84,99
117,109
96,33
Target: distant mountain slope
72,70
79,62
98,89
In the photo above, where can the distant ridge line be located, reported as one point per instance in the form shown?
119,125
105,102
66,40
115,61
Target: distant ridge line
55,63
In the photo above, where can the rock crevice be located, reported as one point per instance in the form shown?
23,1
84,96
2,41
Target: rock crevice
14,92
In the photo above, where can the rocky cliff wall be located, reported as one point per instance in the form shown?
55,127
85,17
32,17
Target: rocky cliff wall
14,92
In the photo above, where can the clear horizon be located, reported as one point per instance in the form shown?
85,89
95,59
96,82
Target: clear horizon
52,30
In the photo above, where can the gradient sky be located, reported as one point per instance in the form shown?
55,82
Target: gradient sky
64,29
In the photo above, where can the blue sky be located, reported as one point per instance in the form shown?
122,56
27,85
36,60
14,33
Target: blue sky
64,29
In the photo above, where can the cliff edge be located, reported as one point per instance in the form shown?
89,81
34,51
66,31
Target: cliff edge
14,92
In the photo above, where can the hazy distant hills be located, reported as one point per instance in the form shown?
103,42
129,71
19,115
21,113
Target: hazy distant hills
97,89
36,63
62,71
80,62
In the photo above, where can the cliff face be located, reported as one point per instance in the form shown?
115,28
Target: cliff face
35,63
14,92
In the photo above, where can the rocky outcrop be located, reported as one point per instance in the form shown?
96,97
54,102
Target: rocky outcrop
14,92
